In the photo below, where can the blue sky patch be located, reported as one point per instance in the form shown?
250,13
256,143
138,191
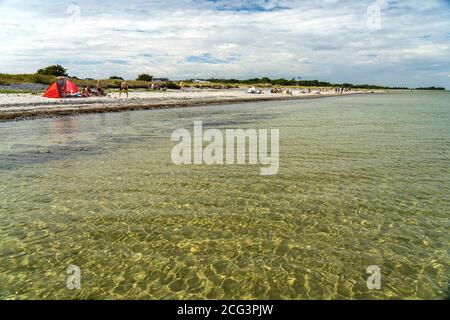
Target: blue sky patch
251,6
209,59
121,62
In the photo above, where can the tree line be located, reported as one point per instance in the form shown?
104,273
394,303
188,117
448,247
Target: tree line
57,71
302,83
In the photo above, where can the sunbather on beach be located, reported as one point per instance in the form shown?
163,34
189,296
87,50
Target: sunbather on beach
123,88
87,92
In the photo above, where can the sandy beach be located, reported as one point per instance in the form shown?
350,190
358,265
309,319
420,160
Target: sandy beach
26,106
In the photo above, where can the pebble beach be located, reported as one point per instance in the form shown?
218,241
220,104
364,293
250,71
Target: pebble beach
26,105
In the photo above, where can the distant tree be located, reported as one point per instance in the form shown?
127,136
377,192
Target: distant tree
305,83
173,85
115,78
431,88
55,70
144,77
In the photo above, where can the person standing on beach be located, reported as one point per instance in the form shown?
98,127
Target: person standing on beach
99,88
123,88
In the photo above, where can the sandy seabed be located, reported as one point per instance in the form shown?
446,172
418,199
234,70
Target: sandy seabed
25,106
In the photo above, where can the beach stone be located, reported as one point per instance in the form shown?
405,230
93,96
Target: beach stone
24,87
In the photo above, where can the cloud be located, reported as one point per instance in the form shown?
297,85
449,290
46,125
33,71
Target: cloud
315,39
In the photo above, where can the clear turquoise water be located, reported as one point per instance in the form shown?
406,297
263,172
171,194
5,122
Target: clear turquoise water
364,180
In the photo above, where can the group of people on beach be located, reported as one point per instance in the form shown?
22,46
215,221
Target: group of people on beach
276,90
124,87
340,90
337,90
156,86
279,90
100,91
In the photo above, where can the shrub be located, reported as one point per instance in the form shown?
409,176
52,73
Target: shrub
55,70
172,85
116,83
41,78
144,77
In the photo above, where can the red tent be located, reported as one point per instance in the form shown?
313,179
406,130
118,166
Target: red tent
61,88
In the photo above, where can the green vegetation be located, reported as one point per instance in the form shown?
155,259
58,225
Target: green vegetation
6,79
432,88
49,74
113,83
297,83
144,77
173,85
208,85
55,70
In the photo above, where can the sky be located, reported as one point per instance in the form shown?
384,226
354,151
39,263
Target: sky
386,42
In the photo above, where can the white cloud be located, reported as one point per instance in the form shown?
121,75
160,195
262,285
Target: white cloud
327,40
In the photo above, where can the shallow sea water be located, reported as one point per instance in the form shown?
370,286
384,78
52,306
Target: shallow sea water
363,180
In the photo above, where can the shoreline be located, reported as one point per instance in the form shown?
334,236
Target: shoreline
70,107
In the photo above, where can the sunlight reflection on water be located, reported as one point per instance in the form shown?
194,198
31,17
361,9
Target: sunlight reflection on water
363,181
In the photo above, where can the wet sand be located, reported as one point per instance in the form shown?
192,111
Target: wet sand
28,106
